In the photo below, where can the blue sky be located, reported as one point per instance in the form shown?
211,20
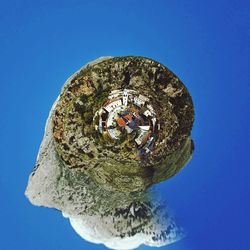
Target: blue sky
206,43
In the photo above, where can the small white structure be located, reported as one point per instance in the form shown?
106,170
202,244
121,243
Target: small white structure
137,101
114,93
112,115
147,113
143,98
140,100
100,126
111,106
144,127
114,133
141,137
128,129
125,97
153,121
151,109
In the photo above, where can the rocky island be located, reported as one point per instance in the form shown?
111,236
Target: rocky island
124,121
119,125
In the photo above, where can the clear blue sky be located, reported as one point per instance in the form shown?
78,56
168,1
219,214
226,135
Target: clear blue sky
206,43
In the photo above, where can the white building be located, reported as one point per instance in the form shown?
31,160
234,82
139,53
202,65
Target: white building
140,100
141,137
147,113
151,109
111,106
114,93
144,127
114,133
125,97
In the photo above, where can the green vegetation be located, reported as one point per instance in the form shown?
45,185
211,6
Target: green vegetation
114,164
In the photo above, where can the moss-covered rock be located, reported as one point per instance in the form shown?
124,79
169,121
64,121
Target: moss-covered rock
115,164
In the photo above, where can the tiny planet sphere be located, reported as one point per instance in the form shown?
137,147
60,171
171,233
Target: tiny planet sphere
119,125
125,122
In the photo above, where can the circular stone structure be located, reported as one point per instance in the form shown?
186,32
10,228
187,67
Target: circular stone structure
125,122
128,115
